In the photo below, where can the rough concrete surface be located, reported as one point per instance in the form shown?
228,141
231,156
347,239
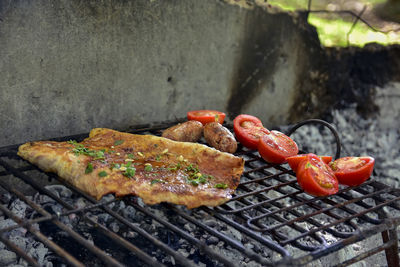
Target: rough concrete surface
69,66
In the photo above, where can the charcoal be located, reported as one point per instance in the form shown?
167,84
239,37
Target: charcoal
7,257
129,212
233,233
211,223
60,190
114,227
212,240
18,207
189,227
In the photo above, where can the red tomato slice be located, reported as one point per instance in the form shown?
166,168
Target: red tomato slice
294,161
206,116
353,171
276,147
315,177
248,130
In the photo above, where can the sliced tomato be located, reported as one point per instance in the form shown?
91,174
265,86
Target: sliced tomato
248,130
275,147
353,171
294,161
206,116
315,177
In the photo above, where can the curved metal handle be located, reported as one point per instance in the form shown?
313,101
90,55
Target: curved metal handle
324,123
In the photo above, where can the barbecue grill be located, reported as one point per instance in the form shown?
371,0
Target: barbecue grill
269,221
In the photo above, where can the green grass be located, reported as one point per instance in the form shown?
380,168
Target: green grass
333,31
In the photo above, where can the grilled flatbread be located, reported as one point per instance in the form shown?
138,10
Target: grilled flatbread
154,168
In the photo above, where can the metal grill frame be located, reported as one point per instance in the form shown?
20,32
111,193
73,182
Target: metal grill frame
240,219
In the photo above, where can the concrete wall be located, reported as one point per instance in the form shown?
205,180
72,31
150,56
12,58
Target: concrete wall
68,66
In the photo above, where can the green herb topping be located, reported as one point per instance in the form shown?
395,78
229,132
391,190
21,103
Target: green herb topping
221,186
103,174
89,168
118,142
80,149
130,170
202,179
148,168
175,167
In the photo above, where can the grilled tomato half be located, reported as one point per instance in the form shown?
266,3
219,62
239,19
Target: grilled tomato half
205,116
248,130
353,171
294,161
275,147
315,177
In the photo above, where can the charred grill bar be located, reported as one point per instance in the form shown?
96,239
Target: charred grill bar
269,221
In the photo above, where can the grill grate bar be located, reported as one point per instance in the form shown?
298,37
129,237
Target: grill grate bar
94,249
388,223
292,211
367,254
298,215
54,216
72,260
142,232
280,236
228,240
377,207
203,247
250,233
19,251
312,205
338,205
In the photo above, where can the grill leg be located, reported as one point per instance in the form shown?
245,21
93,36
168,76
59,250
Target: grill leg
392,254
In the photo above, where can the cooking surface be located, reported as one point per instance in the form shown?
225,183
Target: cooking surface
269,220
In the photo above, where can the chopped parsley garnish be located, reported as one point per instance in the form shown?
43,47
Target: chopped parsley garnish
118,142
89,168
80,149
158,157
130,172
103,174
157,181
202,179
131,156
192,168
148,168
175,167
221,186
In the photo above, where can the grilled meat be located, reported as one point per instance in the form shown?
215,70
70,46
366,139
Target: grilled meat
190,131
220,137
154,168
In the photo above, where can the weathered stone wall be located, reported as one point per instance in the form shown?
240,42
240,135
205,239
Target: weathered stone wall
69,66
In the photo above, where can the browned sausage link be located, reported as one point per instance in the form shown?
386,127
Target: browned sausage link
220,137
190,131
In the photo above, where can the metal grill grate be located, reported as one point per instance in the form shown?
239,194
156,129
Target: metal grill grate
269,221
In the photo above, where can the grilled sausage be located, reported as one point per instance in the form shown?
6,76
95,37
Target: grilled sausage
190,131
219,137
